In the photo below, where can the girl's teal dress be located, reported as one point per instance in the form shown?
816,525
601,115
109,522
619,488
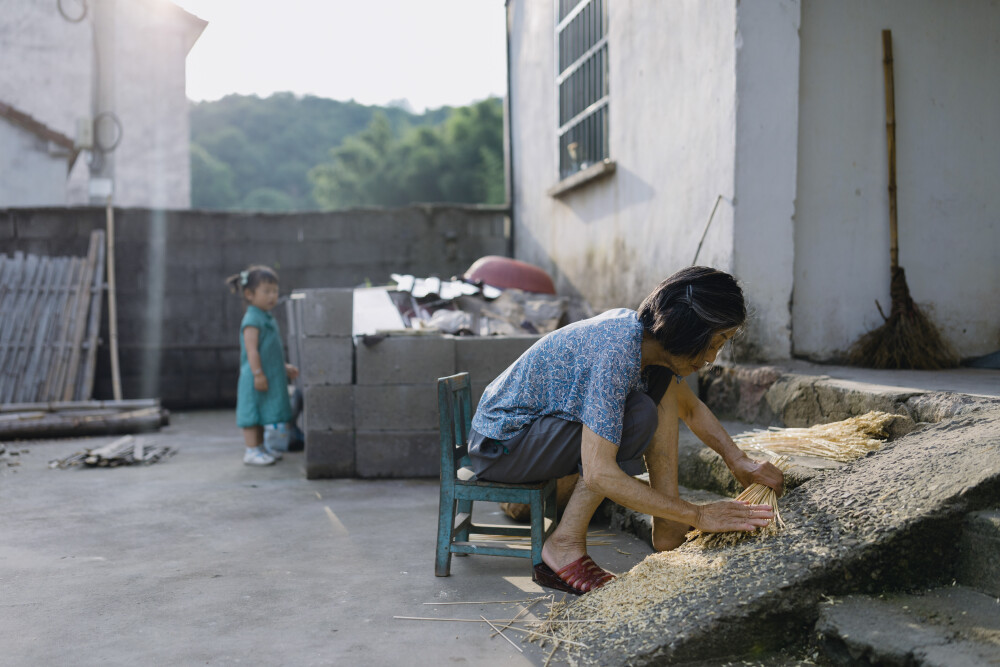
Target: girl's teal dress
259,408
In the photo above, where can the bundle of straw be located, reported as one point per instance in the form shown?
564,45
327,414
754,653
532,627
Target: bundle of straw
755,494
843,441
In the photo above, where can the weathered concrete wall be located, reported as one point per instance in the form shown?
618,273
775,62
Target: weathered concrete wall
778,107
767,93
178,323
31,174
672,133
947,93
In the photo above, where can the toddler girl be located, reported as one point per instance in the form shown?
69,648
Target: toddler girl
262,393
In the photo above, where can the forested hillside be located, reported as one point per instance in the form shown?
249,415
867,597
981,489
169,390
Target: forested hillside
288,153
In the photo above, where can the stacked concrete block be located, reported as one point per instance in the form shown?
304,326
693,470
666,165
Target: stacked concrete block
395,403
486,357
323,350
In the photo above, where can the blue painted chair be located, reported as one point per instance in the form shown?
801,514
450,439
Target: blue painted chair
457,495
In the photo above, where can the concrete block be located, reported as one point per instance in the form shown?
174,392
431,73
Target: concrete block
328,407
406,360
329,454
485,357
977,563
6,227
326,360
398,453
325,312
396,407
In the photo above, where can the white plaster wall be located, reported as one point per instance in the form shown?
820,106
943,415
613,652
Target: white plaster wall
30,175
47,71
45,64
152,163
947,85
672,126
767,92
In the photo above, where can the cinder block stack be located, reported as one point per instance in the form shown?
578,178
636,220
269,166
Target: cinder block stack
324,351
370,403
395,406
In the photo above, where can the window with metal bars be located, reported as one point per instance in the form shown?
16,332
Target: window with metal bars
582,82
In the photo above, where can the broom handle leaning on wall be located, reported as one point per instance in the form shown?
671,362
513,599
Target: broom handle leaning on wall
116,378
890,133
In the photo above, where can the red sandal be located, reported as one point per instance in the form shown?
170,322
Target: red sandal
579,577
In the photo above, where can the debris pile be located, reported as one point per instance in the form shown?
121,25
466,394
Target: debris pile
124,451
461,307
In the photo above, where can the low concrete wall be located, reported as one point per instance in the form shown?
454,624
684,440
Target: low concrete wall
178,324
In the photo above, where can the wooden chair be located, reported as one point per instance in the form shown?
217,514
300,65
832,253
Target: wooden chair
458,495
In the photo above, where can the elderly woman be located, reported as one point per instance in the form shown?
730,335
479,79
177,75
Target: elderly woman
595,396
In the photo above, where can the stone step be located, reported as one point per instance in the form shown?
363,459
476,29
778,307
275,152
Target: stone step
979,552
952,626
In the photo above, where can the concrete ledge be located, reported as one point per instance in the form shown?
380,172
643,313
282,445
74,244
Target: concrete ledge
946,626
889,521
771,396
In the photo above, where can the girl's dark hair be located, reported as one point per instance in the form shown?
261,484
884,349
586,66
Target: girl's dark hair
251,277
691,306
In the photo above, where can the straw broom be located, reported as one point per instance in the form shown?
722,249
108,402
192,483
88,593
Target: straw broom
908,338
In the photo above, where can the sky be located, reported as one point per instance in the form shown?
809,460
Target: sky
430,52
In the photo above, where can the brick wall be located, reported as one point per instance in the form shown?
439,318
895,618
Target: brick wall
178,324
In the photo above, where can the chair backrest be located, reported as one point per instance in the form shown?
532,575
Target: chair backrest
455,413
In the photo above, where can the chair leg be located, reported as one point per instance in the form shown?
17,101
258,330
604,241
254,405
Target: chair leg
464,507
537,527
446,521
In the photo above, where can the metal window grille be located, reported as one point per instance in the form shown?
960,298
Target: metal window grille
582,80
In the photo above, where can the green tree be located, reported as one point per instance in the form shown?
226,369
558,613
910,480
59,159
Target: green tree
212,183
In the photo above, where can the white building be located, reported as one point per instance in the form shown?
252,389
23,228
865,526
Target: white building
774,110
64,64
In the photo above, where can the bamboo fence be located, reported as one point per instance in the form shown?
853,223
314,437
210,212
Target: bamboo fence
50,314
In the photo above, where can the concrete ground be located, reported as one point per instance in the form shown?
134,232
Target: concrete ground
202,560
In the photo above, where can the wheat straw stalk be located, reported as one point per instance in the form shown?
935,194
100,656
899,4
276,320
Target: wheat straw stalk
844,441
755,494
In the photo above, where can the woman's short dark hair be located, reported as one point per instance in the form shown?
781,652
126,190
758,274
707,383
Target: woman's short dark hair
691,306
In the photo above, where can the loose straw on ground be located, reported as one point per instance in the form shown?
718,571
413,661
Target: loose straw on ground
843,441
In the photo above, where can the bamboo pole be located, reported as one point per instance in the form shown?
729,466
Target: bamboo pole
79,328
86,386
56,406
890,133
116,380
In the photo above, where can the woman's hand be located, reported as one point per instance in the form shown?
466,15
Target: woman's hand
292,371
729,515
747,472
260,382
